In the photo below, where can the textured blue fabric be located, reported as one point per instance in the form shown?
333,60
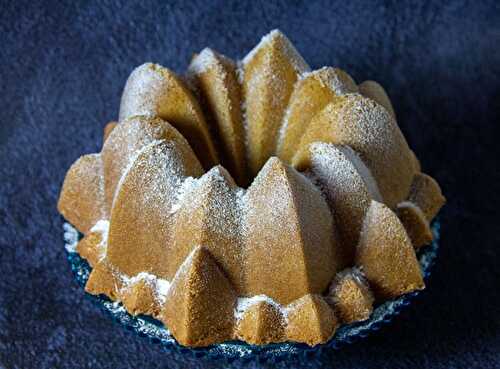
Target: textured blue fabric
62,69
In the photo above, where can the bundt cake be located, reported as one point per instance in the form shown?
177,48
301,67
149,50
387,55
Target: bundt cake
254,200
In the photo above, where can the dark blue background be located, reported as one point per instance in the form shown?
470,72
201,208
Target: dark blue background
62,69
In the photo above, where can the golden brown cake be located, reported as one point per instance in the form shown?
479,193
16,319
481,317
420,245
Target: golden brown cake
216,80
153,90
107,130
416,224
310,320
351,296
376,92
311,94
268,75
261,321
385,254
370,130
228,203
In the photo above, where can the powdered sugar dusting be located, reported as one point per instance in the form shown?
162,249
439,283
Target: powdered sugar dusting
284,127
244,116
162,288
142,87
294,305
215,189
266,94
334,79
413,206
347,189
148,84
370,130
131,162
162,166
70,237
186,187
142,276
339,168
355,273
323,84
286,116
188,194
209,210
311,92
278,202
102,227
298,62
121,148
203,61
382,220
159,286
336,167
363,170
244,303
186,264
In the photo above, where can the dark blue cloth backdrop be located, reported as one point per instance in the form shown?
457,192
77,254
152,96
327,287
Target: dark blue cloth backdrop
62,69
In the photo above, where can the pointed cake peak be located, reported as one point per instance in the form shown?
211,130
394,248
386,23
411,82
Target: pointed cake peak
371,131
203,61
349,188
426,194
154,90
416,224
312,92
216,80
200,302
197,256
350,296
310,320
264,42
261,322
273,163
268,75
82,198
277,40
125,142
148,188
218,174
386,255
376,92
274,33
335,79
302,230
208,214
274,167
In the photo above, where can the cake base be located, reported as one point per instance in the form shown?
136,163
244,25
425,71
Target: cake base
152,329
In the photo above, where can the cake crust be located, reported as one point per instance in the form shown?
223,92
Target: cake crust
351,296
268,75
156,91
426,194
416,224
301,230
372,132
312,92
82,196
216,79
386,255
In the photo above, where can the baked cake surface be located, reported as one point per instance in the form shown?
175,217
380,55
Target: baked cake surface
228,203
